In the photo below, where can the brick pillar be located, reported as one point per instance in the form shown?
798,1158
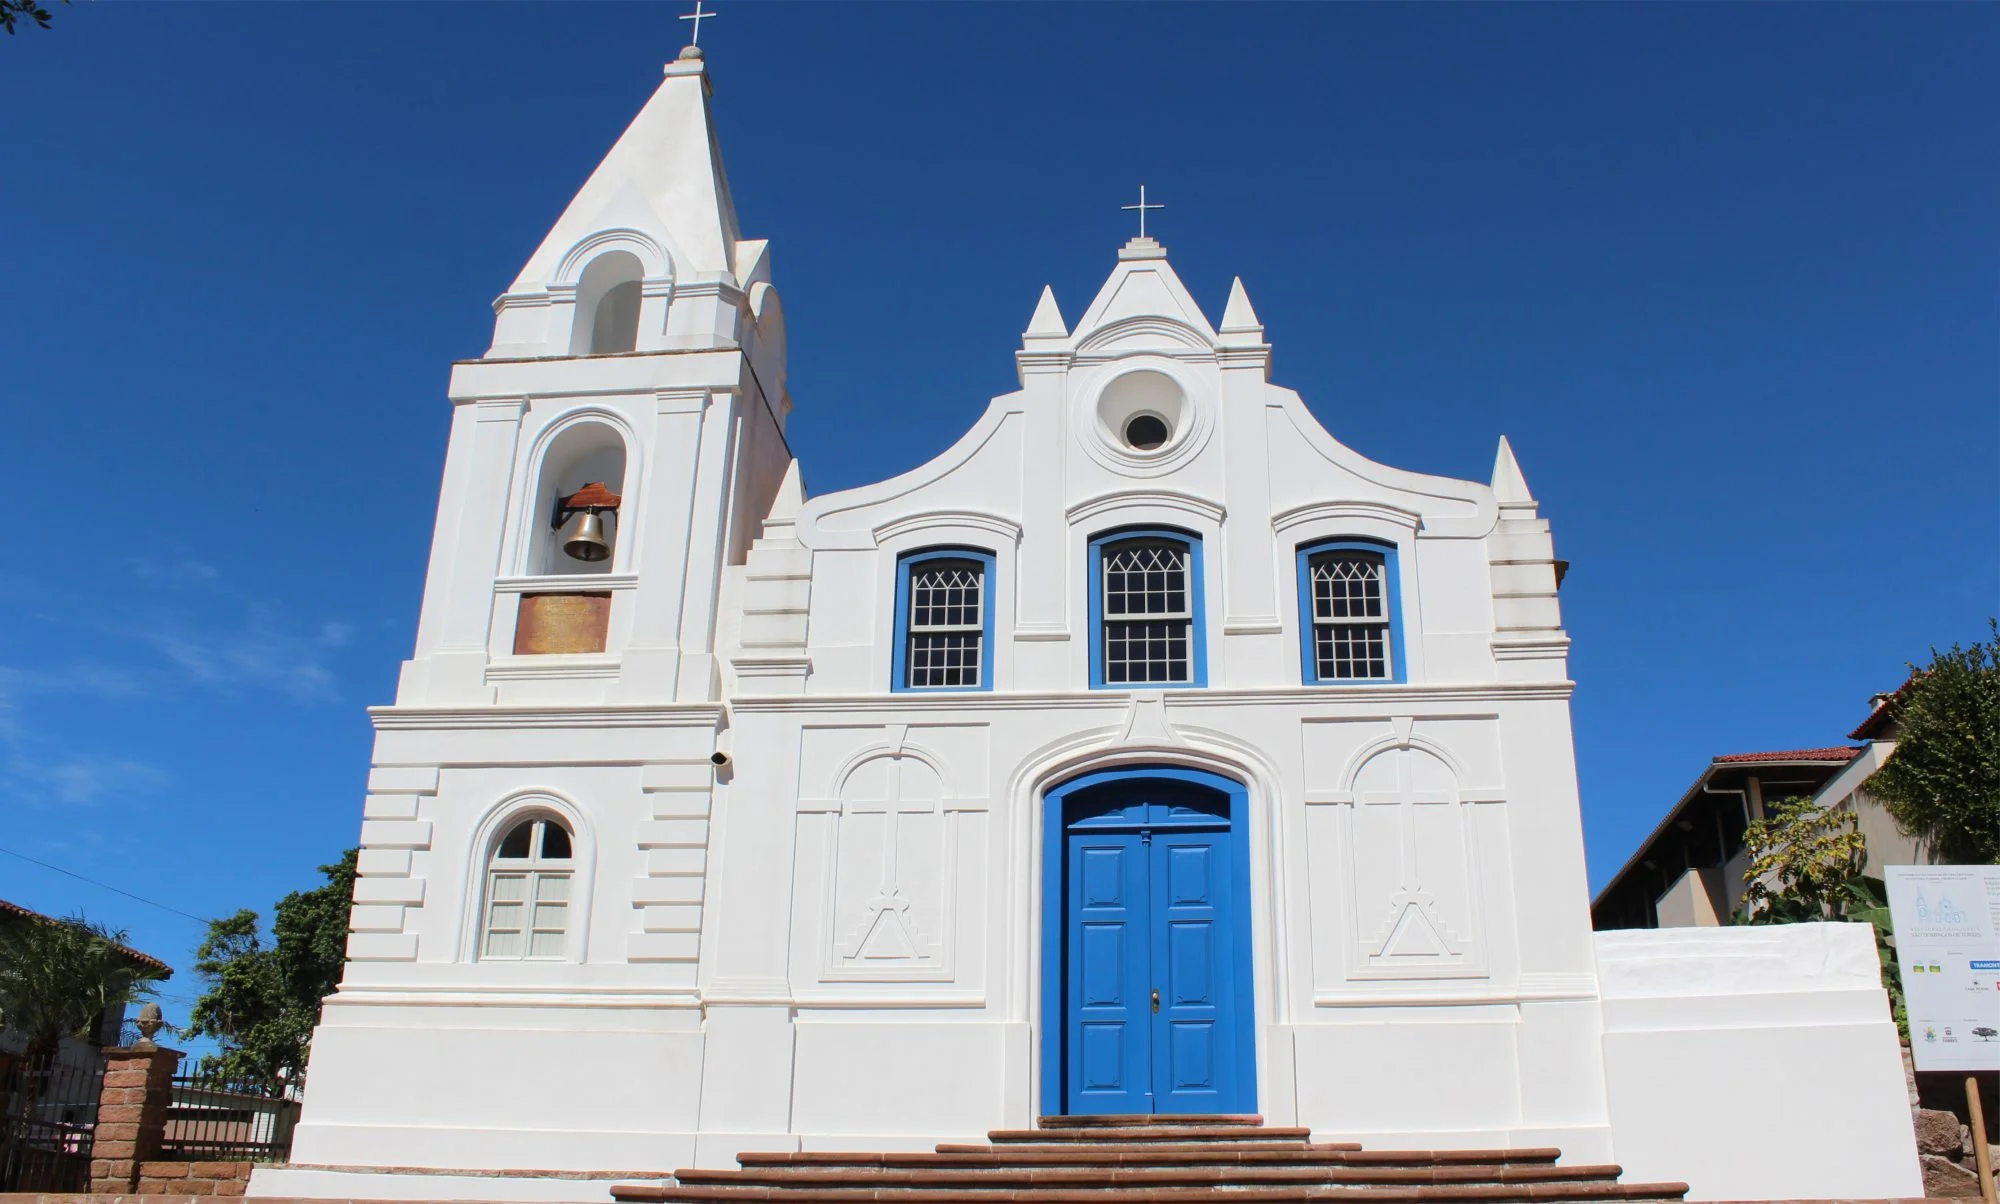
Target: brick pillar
131,1115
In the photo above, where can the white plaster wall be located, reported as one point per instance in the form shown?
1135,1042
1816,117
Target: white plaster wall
1756,1063
834,939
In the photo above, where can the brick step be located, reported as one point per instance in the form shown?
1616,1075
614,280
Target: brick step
1143,1176
1175,1133
1584,1192
1133,1120
1139,1150
1292,1153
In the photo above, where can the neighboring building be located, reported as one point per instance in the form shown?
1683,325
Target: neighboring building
79,1060
1689,871
1149,750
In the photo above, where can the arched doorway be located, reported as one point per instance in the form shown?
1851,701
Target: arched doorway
1146,982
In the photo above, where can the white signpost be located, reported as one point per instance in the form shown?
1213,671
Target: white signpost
1948,943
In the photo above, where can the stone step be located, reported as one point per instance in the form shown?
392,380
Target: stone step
1231,1153
986,1155
1291,1153
1150,1160
1143,1176
1146,1150
1175,1133
1583,1192
1134,1120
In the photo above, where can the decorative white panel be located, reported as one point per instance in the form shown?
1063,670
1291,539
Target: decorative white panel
1412,867
884,815
893,860
1394,847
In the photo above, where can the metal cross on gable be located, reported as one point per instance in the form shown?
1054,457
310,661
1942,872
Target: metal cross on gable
696,16
1142,206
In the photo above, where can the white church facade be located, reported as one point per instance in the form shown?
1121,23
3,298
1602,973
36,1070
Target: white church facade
1147,751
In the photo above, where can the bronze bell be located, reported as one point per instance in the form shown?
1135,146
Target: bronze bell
587,542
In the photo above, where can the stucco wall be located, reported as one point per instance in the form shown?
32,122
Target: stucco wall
1755,1063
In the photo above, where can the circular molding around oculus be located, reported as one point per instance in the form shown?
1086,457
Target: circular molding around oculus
1144,423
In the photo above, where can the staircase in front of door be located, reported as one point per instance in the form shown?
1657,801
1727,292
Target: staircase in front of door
1150,1160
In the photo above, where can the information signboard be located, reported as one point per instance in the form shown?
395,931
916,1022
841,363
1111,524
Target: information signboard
1948,943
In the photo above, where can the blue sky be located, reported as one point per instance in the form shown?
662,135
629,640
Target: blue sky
1728,276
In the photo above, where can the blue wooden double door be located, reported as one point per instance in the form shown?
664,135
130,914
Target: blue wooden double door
1154,936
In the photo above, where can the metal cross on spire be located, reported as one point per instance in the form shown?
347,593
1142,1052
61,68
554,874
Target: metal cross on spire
1142,206
696,16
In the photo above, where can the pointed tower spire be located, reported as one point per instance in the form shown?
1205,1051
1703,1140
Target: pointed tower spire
1237,316
663,177
1509,486
1048,320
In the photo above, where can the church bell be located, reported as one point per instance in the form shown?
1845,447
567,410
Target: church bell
587,542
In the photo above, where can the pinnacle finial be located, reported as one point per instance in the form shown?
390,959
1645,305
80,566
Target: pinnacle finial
1237,314
1048,320
1510,488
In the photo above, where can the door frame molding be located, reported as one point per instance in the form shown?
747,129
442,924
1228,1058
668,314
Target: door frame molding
1054,1019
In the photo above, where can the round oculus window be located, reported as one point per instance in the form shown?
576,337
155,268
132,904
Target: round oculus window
1147,432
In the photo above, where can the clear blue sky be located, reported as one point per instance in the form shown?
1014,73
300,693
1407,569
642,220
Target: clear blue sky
1729,276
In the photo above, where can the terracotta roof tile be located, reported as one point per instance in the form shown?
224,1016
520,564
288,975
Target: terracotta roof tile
1839,752
146,959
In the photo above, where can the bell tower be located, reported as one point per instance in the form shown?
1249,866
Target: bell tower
618,445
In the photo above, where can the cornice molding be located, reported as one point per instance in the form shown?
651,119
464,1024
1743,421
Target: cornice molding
596,715
1311,512
978,520
557,667
1192,698
1130,499
567,583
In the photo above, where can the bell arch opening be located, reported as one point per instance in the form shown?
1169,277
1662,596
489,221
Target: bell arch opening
607,305
586,541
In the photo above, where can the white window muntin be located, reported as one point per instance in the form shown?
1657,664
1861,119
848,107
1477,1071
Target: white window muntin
1147,591
1350,615
947,623
528,893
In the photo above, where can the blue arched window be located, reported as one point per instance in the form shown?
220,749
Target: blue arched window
1146,610
1350,598
944,620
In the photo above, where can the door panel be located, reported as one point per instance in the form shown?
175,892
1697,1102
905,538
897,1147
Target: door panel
1192,960
1152,989
1110,1068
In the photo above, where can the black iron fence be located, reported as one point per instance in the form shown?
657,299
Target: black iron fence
224,1118
48,1115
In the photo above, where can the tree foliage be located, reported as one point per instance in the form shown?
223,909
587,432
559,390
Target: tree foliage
58,977
1942,784
262,1000
15,11
1805,866
1802,857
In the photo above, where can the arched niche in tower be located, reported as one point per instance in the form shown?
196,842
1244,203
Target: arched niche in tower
583,453
608,296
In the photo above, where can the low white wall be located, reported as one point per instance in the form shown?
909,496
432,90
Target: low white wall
1755,1063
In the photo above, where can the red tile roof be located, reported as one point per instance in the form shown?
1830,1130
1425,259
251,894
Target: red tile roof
144,959
1839,752
1877,724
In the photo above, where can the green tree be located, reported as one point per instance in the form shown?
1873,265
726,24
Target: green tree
13,11
1802,858
1942,784
57,977
1805,866
262,1000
